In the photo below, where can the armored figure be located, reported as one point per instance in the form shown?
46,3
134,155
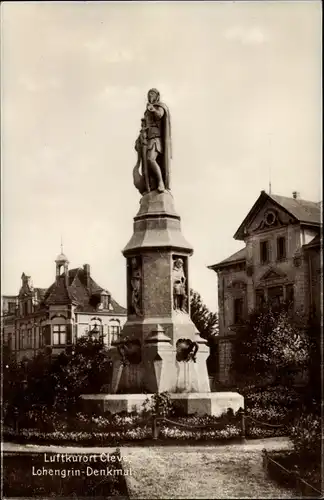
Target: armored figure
153,147
136,287
179,286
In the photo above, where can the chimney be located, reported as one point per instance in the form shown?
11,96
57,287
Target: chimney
86,270
296,195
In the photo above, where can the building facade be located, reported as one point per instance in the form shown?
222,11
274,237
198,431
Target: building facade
56,317
280,262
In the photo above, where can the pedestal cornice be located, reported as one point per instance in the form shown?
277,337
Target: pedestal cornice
157,226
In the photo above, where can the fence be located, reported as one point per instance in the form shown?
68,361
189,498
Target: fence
291,477
243,418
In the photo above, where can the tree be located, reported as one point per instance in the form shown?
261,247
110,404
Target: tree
82,370
206,323
315,366
57,382
270,345
205,320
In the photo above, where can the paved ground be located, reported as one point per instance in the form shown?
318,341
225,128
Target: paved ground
277,443
220,471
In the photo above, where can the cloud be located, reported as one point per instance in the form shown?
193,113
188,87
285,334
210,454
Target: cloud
246,36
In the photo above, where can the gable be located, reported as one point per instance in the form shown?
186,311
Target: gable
25,290
267,218
272,276
290,211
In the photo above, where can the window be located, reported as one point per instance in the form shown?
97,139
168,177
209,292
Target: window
59,334
96,329
42,336
25,309
22,339
238,310
29,342
259,299
290,294
105,301
114,330
11,307
281,248
264,252
275,296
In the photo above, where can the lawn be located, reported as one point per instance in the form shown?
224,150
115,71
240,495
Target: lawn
229,471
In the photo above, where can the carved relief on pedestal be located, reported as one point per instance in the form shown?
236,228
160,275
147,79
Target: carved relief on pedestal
179,284
130,351
135,286
186,350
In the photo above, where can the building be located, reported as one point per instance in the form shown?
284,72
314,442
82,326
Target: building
55,317
280,262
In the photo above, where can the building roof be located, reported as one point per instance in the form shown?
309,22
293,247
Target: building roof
79,289
40,292
232,259
314,243
115,309
58,293
61,258
303,211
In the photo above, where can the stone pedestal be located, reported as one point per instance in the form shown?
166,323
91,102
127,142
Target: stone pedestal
156,323
203,403
160,348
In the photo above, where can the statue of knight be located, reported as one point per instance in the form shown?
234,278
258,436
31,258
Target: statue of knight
153,147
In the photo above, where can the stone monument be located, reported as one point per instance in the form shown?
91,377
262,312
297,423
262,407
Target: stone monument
160,348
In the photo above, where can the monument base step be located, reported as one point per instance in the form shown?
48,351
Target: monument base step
206,403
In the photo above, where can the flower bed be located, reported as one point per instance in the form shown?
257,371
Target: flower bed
114,429
272,406
173,432
123,427
68,437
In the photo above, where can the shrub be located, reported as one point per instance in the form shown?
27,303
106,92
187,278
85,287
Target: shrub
158,405
306,435
271,345
55,382
272,395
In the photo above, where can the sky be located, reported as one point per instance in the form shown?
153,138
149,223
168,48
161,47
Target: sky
243,84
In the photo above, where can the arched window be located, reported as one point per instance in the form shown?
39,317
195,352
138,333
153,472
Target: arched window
114,330
95,328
